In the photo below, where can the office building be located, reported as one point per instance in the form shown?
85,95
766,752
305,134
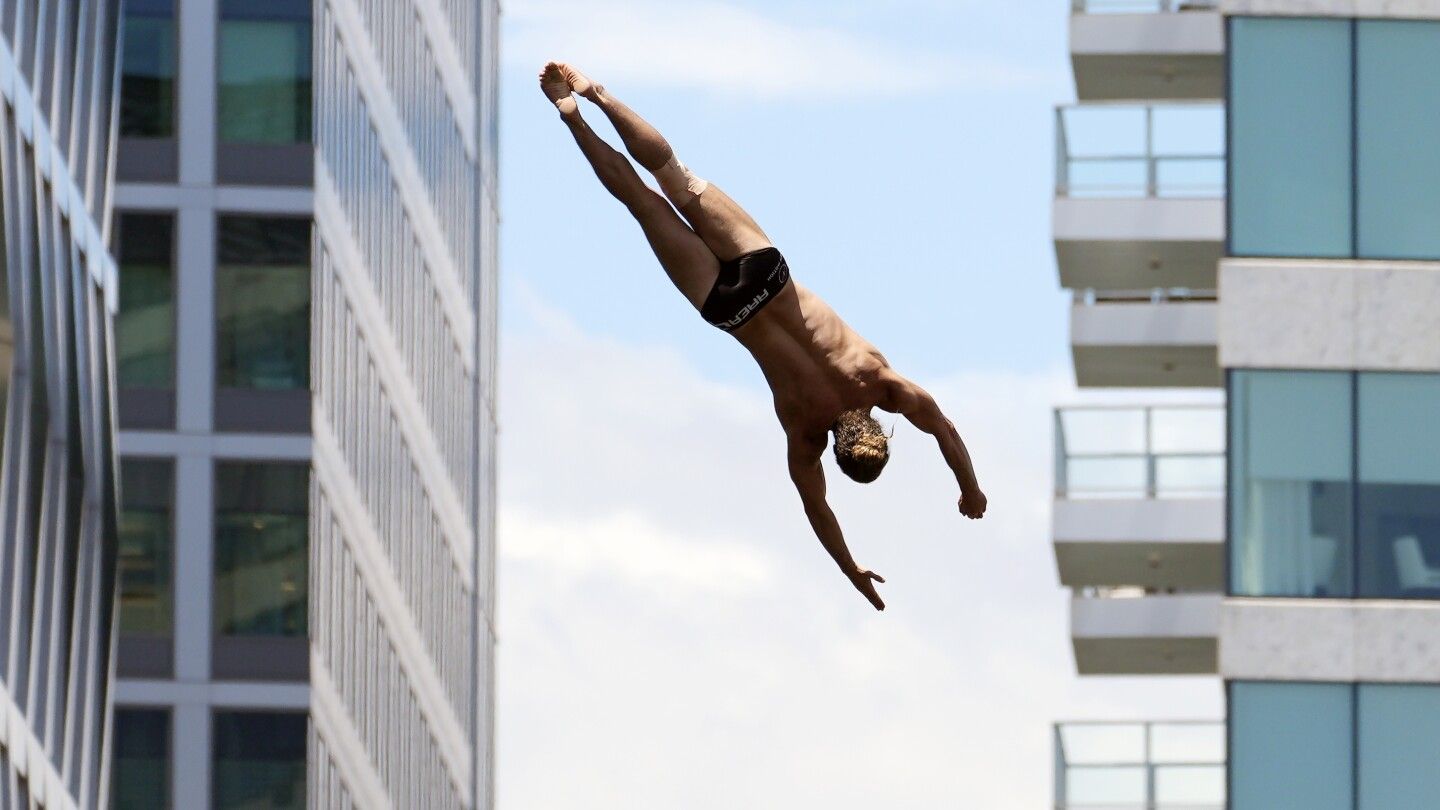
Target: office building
214,207
1325,332
58,66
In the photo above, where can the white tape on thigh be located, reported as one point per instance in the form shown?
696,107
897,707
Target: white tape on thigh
679,183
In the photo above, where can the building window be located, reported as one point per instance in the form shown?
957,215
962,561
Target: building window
264,94
1332,123
147,84
259,761
1324,746
145,324
1291,746
262,292
146,528
261,526
141,759
1335,484
1290,192
1290,495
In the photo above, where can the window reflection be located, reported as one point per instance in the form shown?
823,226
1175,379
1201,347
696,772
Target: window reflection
263,303
1399,492
259,761
141,759
146,529
147,82
264,92
145,323
261,528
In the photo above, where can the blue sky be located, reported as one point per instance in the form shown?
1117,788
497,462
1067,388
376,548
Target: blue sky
671,633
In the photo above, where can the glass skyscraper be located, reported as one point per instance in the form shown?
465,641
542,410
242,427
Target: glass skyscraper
1321,531
58,532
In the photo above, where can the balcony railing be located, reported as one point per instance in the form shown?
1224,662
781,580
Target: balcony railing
1113,150
1140,766
1152,295
1140,6
1173,451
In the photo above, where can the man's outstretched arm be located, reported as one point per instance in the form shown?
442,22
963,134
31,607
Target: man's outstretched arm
809,478
916,404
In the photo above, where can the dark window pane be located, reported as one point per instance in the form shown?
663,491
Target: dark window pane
146,529
1399,498
142,759
1291,746
1398,120
1290,136
264,94
147,85
261,528
262,295
145,324
1290,474
259,761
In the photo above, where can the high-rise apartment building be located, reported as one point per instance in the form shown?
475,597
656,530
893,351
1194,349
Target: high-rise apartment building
214,206
58,66
402,513
1304,568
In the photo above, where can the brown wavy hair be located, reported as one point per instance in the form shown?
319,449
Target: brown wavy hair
861,446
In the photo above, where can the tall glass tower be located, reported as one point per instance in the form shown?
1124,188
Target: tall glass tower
58,68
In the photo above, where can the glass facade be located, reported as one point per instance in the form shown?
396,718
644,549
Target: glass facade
1328,746
1332,123
147,517
147,83
262,302
145,323
141,760
264,79
1290,135
1290,483
1291,746
1335,484
261,551
259,761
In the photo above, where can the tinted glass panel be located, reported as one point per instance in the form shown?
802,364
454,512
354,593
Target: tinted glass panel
1290,117
1399,742
145,324
264,94
1291,746
262,292
146,529
1399,493
259,761
1398,96
141,759
147,86
1290,497
260,549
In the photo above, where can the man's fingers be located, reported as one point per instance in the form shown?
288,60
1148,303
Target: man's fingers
876,577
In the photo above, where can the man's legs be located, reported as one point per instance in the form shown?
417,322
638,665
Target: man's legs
726,227
691,265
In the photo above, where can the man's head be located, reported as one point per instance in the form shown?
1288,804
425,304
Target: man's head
861,447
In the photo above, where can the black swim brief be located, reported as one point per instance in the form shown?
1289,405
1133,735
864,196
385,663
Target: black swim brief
744,287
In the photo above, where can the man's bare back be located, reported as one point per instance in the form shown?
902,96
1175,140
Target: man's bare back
825,377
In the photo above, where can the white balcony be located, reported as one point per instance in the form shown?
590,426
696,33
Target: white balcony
1131,632
1139,195
1139,497
1173,765
1159,339
1147,49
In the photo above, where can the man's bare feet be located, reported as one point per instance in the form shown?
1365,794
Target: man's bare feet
557,88
579,82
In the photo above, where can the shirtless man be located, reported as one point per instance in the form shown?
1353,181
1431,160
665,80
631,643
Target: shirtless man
824,376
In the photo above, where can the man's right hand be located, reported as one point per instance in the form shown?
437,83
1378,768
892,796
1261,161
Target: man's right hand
864,582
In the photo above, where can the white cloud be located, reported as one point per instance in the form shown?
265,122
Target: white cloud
672,635
729,50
